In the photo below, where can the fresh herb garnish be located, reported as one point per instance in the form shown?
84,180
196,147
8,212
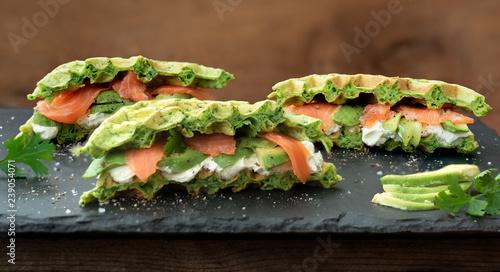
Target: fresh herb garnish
28,149
175,143
248,127
486,202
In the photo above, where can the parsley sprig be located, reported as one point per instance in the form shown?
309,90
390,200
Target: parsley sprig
175,143
487,201
27,149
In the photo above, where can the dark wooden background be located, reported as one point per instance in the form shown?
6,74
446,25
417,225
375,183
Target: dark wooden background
333,254
261,42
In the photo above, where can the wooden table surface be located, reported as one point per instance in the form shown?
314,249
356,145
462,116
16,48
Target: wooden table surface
325,253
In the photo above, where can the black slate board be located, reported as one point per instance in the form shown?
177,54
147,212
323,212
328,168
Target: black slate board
49,205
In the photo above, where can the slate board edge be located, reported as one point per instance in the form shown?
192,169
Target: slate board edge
171,225
343,224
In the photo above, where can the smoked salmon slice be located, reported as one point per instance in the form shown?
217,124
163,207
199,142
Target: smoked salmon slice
433,116
142,161
319,110
455,117
423,115
212,144
131,88
69,106
194,92
295,150
374,113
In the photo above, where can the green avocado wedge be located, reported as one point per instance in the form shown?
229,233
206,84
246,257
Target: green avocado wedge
419,191
102,164
460,172
386,199
392,124
448,125
396,188
271,157
348,115
410,132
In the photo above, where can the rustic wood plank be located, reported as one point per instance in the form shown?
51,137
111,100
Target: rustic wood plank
321,254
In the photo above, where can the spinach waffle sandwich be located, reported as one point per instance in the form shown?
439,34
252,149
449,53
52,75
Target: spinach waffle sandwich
79,95
387,112
203,146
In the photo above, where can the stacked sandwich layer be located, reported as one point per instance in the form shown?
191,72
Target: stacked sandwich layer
150,124
72,75
387,112
79,95
203,146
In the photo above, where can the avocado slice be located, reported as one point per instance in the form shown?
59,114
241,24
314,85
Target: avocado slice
391,201
271,157
348,115
392,124
418,191
245,147
108,108
410,131
179,162
460,172
254,143
449,126
396,188
423,197
100,165
169,96
224,160
419,200
416,197
109,102
42,120
110,96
